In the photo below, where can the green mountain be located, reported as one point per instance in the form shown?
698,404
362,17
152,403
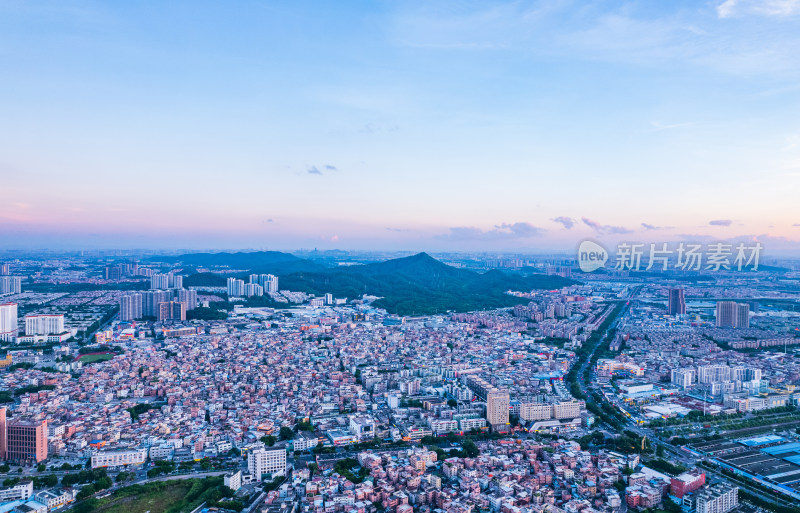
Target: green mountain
267,262
415,285
420,284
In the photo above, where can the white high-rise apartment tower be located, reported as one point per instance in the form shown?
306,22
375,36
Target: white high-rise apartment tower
44,324
8,322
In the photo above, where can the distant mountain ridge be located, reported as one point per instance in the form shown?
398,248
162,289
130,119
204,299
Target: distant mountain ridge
267,262
417,284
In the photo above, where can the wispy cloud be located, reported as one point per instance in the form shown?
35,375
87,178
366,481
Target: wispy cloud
778,8
503,231
721,222
567,222
315,170
373,128
604,228
624,33
647,226
658,126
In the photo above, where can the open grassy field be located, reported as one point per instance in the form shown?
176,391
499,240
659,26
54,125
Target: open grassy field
89,358
172,496
154,501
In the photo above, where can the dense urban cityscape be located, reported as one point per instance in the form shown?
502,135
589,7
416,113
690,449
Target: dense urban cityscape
400,256
614,390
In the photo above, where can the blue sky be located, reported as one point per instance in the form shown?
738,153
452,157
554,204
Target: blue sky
407,125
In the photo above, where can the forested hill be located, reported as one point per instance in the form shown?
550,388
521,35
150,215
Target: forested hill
418,284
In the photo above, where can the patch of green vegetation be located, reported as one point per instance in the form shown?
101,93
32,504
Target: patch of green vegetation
30,389
206,314
205,280
174,496
21,365
345,468
82,287
666,467
94,358
140,408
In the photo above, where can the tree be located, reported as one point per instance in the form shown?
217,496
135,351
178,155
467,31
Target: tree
470,449
86,491
304,426
269,440
103,483
452,403
286,433
41,467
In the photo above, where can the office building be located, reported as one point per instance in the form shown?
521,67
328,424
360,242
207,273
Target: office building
713,374
687,482
233,480
733,315
10,285
497,404
719,498
188,297
171,311
676,304
752,374
535,411
44,324
119,458
567,410
21,491
266,461
8,322
130,307
683,378
3,434
5,269
26,440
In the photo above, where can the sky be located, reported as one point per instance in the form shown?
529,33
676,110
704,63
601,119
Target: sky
427,125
